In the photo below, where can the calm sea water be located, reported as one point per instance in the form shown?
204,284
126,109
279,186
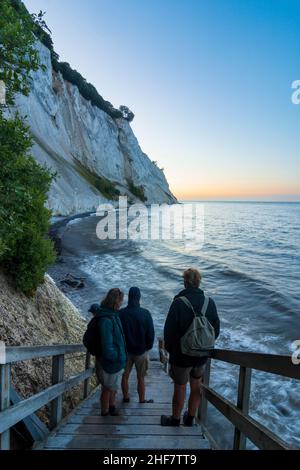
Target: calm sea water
250,262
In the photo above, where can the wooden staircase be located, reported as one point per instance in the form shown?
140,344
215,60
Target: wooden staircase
138,426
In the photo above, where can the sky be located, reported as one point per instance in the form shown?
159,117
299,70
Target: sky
209,82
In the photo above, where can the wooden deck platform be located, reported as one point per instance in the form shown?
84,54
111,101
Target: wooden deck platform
138,427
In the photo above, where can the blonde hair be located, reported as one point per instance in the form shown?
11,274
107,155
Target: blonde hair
192,277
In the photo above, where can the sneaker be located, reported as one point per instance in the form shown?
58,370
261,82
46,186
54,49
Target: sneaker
169,421
187,419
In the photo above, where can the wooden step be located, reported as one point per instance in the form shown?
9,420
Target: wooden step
125,443
137,427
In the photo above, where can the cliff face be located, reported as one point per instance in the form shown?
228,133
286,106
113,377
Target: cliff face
47,318
78,140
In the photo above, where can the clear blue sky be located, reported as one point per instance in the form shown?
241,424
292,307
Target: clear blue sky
208,80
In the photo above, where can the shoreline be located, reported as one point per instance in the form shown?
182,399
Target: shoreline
67,264
59,222
57,228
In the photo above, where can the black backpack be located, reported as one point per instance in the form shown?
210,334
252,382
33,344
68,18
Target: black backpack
91,338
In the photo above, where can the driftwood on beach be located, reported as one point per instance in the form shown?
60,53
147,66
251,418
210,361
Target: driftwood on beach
73,281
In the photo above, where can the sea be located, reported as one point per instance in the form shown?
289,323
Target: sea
250,262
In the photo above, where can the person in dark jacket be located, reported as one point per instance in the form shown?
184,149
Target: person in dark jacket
183,368
139,335
111,364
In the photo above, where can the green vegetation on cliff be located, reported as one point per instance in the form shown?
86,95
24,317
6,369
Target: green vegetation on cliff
86,89
105,186
137,191
25,251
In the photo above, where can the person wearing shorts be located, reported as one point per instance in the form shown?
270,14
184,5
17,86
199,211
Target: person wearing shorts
111,362
183,375
141,364
110,382
185,369
139,336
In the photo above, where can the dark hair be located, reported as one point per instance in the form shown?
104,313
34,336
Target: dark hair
113,297
192,277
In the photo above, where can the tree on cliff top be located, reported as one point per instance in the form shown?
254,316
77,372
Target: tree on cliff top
25,250
127,114
18,56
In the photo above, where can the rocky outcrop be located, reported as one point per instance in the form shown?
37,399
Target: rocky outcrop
47,318
80,142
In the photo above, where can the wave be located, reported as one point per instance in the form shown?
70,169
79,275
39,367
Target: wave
279,301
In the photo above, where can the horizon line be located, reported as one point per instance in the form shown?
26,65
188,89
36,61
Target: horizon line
240,200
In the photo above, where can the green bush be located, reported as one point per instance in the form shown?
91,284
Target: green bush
25,251
137,191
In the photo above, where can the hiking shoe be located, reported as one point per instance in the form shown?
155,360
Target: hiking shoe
188,420
169,421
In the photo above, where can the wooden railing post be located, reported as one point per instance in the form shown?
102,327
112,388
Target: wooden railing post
163,355
202,412
243,400
5,402
58,363
86,384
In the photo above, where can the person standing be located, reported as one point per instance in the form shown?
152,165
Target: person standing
185,368
111,360
139,335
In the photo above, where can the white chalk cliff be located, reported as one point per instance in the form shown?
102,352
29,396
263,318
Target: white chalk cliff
70,135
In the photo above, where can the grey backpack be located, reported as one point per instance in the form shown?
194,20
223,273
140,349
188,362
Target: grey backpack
200,336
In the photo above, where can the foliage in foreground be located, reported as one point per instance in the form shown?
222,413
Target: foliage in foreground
18,55
25,252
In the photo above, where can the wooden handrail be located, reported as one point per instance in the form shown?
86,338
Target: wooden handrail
271,363
26,353
11,415
256,432
245,426
24,408
238,415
